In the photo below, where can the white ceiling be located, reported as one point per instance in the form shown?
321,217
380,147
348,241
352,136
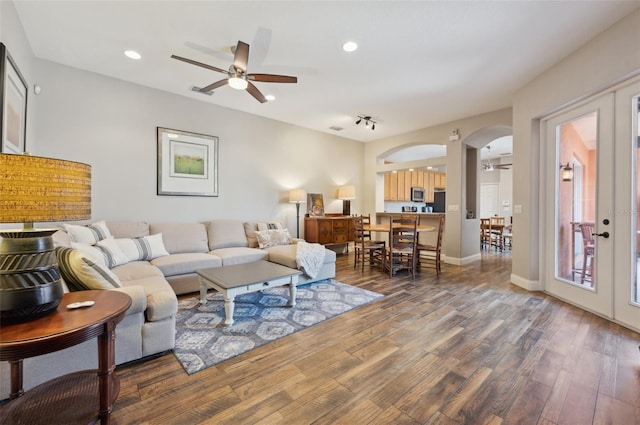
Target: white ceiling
418,64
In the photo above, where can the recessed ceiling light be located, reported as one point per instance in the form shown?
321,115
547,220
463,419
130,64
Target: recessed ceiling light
270,97
350,46
132,54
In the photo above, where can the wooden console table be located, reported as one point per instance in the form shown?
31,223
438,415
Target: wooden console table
329,229
80,397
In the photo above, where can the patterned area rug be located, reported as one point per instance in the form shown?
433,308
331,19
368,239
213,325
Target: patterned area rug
260,317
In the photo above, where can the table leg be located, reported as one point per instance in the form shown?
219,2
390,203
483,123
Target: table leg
228,309
203,291
106,366
292,294
16,379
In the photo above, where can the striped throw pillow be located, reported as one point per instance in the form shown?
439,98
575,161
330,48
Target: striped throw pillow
145,248
80,273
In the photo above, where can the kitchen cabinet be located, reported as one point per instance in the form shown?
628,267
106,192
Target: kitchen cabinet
397,186
440,181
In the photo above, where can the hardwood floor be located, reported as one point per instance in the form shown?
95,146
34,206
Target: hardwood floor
467,347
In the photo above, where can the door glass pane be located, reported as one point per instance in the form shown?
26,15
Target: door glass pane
635,285
576,152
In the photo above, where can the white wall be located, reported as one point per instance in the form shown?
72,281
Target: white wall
111,125
609,57
13,37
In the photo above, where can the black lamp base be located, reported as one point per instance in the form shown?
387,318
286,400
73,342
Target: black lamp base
30,285
346,207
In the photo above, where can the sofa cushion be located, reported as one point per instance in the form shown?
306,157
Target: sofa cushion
239,255
161,300
182,237
176,264
250,230
90,233
286,255
136,270
225,234
128,229
80,273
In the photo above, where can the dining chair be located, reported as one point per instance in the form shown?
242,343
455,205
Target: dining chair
428,255
507,235
588,251
485,232
366,250
401,252
496,230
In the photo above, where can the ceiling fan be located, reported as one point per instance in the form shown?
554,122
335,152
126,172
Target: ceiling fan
490,166
237,76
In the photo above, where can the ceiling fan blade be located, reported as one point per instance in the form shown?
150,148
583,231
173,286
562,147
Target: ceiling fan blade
214,86
203,65
253,90
241,57
272,78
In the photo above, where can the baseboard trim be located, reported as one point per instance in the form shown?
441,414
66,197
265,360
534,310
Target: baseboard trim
529,285
461,261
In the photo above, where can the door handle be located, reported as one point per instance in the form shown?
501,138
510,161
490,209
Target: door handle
603,234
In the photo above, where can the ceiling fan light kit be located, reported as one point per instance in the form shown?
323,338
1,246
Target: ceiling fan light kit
489,166
237,76
367,121
238,83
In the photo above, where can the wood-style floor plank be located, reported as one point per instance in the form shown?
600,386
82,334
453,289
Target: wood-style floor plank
467,347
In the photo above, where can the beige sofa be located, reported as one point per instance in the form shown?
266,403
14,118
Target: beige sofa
149,326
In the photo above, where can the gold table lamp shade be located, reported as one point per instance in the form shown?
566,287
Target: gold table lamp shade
36,189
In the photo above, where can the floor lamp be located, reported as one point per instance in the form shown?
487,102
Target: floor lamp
36,189
346,193
297,196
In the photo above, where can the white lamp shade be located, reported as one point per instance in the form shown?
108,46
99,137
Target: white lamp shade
297,196
347,192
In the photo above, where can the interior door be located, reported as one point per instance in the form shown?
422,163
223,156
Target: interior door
591,240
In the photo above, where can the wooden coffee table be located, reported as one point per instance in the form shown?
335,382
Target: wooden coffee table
245,278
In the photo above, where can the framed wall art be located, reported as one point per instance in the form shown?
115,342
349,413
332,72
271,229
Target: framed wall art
14,105
315,205
187,163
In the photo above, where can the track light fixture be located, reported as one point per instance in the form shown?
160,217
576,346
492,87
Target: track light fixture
367,121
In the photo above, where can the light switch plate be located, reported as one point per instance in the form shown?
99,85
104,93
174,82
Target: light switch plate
453,207
517,209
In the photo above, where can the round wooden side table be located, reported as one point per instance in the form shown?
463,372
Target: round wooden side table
80,397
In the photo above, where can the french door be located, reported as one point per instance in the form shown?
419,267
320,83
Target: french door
591,197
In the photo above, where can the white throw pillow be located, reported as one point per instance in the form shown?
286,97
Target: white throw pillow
105,252
112,252
90,234
145,248
90,252
81,273
267,238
